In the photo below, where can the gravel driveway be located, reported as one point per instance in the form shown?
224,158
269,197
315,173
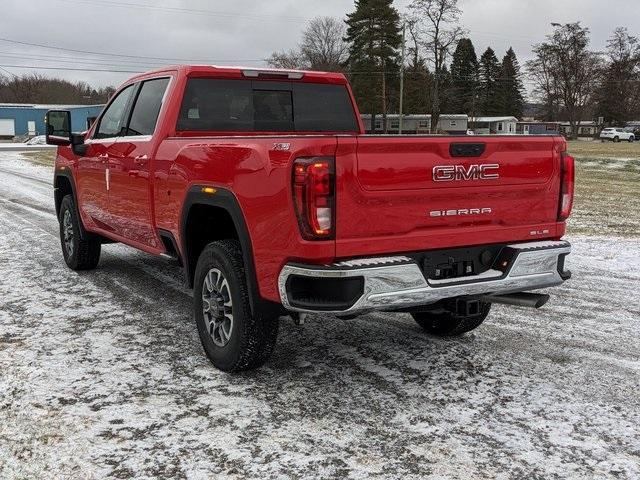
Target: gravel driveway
102,375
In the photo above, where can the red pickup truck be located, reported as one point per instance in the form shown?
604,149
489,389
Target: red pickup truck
266,189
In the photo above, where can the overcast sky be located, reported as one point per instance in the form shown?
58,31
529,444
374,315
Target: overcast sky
245,32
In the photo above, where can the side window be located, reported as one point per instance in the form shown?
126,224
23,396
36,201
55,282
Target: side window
113,119
147,107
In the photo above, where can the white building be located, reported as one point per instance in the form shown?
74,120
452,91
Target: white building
493,125
452,124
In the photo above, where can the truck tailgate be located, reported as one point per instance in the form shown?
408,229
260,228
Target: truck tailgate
415,193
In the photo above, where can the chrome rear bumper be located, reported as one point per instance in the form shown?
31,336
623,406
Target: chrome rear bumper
392,283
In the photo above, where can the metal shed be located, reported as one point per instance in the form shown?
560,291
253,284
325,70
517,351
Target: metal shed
27,120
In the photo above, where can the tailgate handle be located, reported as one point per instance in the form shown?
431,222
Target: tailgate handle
466,149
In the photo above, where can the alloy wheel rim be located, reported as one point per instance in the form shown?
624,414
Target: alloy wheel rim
67,232
217,307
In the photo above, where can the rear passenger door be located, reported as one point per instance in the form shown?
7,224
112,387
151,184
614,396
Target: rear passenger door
130,190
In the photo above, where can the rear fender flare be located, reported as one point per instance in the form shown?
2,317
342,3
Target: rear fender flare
226,200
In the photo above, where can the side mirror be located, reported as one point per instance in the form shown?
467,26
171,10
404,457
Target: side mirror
58,124
59,132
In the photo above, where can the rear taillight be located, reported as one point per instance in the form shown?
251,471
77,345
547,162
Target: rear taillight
314,196
566,187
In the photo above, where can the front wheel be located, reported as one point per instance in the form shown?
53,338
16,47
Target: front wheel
631,139
233,336
616,139
448,324
78,254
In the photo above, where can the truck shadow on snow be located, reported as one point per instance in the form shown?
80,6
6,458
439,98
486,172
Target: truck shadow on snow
151,290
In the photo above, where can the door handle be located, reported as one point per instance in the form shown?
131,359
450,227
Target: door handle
140,159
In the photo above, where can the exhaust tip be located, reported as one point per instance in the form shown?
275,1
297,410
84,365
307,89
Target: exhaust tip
521,299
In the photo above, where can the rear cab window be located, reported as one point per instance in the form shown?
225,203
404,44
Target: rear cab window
221,105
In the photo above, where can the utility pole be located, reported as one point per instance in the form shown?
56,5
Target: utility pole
404,28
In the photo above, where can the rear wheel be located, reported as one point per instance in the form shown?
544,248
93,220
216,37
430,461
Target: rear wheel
616,139
78,254
631,139
234,338
448,324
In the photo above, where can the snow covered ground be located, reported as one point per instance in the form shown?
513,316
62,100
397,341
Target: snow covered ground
102,375
23,147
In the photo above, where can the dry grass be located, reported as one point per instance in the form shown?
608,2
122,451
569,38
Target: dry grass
598,149
607,198
41,157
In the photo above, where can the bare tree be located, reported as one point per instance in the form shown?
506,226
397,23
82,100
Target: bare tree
439,30
36,88
322,47
618,101
413,51
541,73
323,44
291,59
572,71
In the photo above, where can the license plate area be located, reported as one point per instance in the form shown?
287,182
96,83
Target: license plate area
458,262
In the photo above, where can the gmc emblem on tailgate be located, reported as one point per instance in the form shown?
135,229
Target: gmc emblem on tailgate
450,173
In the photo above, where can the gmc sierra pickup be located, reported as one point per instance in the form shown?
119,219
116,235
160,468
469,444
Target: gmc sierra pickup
265,188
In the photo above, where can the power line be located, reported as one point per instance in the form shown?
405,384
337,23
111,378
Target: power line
37,67
94,61
7,71
143,57
77,62
190,11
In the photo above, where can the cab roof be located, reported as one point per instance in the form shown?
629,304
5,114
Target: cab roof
256,73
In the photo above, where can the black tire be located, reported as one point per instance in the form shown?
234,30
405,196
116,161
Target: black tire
447,324
631,139
78,254
250,337
616,139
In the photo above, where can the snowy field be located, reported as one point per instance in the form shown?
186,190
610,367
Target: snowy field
102,374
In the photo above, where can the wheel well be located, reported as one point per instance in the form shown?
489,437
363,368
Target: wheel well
62,189
205,224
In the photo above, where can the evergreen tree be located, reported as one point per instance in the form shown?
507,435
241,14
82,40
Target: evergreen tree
418,82
445,97
510,86
489,88
373,34
464,79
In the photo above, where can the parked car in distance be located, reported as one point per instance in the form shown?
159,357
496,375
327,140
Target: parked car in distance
265,188
617,135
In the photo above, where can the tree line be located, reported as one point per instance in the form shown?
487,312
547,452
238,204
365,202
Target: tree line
375,43
36,88
443,73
